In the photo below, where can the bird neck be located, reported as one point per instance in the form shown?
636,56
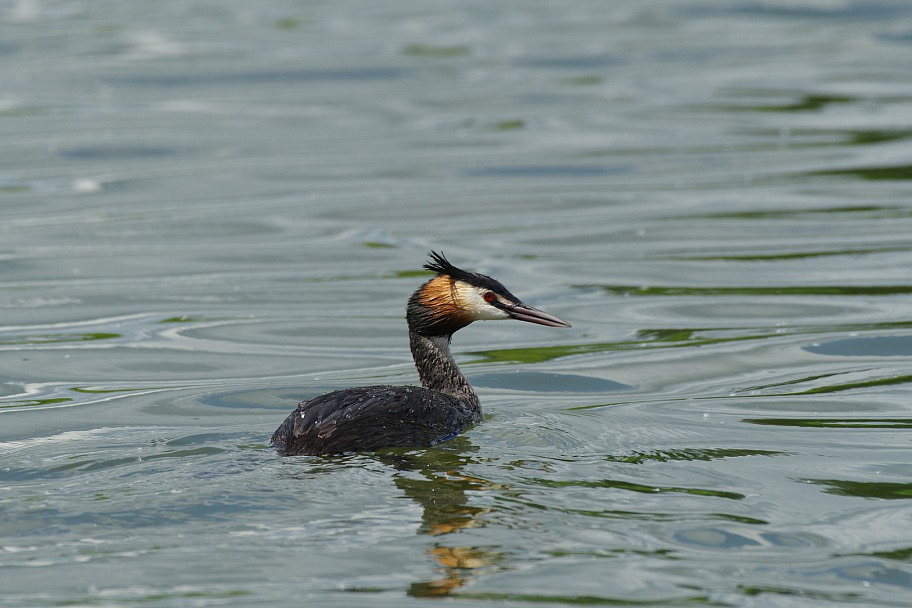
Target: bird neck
437,369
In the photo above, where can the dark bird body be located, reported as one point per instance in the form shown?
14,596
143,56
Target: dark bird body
372,417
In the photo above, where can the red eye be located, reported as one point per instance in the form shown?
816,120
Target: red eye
489,296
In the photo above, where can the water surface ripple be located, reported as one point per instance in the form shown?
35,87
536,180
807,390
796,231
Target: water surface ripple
212,211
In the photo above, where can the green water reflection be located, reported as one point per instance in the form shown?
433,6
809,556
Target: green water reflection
865,489
34,402
687,455
898,172
874,211
593,600
59,338
835,423
634,487
806,102
780,290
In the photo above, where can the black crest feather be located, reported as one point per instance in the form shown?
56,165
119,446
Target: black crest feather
441,265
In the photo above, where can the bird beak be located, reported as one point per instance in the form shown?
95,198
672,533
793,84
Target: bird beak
522,312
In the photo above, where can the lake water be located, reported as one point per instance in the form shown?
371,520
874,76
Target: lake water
212,210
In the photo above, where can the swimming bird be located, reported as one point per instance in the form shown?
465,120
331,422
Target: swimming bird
372,417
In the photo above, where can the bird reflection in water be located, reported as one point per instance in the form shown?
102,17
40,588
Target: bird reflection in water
443,491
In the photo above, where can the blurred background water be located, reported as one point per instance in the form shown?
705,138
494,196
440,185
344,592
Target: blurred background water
212,210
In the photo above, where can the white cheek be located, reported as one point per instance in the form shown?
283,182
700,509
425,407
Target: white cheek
472,301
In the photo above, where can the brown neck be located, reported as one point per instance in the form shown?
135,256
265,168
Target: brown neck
437,369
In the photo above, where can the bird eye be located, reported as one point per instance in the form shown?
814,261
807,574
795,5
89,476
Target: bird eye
489,296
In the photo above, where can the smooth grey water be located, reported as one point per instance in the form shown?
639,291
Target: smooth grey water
211,210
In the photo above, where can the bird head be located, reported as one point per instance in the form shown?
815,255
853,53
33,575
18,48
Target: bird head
454,298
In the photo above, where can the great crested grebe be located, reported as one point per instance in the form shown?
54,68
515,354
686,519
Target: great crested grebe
371,417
